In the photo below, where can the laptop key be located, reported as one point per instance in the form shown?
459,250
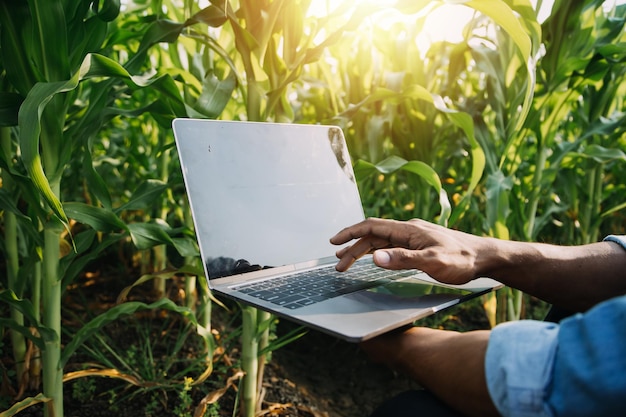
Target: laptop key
286,300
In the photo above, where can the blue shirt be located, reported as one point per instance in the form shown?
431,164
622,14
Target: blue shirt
575,368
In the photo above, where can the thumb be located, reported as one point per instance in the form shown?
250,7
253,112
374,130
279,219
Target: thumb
393,259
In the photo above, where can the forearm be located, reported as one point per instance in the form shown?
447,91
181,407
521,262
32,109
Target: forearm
449,364
572,277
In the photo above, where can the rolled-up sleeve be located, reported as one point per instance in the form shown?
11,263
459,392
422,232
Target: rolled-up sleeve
577,368
518,366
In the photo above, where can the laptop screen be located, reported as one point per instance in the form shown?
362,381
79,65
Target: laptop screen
265,194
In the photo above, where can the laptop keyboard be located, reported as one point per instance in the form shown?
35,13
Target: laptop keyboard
310,287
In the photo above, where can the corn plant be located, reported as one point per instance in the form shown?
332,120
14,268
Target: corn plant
582,113
58,92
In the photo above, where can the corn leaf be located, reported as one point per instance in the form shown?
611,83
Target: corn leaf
88,248
99,219
29,117
26,308
423,170
24,404
144,196
147,235
118,311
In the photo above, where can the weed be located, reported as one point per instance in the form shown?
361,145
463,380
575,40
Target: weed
182,409
213,410
84,389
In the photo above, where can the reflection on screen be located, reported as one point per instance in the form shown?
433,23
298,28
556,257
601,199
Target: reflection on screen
266,194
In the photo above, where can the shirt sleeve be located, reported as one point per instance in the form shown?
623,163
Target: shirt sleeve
518,366
619,239
577,368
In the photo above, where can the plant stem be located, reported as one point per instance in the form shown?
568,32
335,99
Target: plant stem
51,138
35,298
249,360
18,342
52,372
533,203
585,218
160,252
263,318
191,287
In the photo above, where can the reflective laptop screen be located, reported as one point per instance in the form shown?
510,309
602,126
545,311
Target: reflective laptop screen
266,194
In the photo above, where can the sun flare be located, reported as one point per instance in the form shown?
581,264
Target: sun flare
444,22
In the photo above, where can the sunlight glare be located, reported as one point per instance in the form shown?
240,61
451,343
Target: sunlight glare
444,23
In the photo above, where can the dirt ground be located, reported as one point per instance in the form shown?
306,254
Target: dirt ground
314,376
335,378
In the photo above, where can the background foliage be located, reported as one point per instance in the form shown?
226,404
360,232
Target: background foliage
515,131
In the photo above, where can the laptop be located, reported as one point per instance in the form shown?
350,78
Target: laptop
265,200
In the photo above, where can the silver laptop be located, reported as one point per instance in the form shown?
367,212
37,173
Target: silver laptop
265,199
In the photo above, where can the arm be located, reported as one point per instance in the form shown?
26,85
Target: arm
449,364
558,274
525,367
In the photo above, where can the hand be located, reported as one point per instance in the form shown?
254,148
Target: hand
447,255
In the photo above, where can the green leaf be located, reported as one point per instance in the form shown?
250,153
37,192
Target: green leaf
116,312
215,95
7,203
479,160
29,118
26,308
144,196
600,154
167,274
498,208
73,264
147,235
186,247
98,218
109,11
50,44
214,16
419,168
15,22
95,182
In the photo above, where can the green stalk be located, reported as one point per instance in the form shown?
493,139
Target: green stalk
51,138
191,287
18,341
249,360
160,252
585,217
51,290
594,190
533,203
514,304
595,230
263,318
35,298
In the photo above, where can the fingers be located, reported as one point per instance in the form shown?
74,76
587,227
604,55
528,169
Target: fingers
379,228
370,235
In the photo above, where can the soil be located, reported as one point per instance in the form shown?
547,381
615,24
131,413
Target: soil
314,376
